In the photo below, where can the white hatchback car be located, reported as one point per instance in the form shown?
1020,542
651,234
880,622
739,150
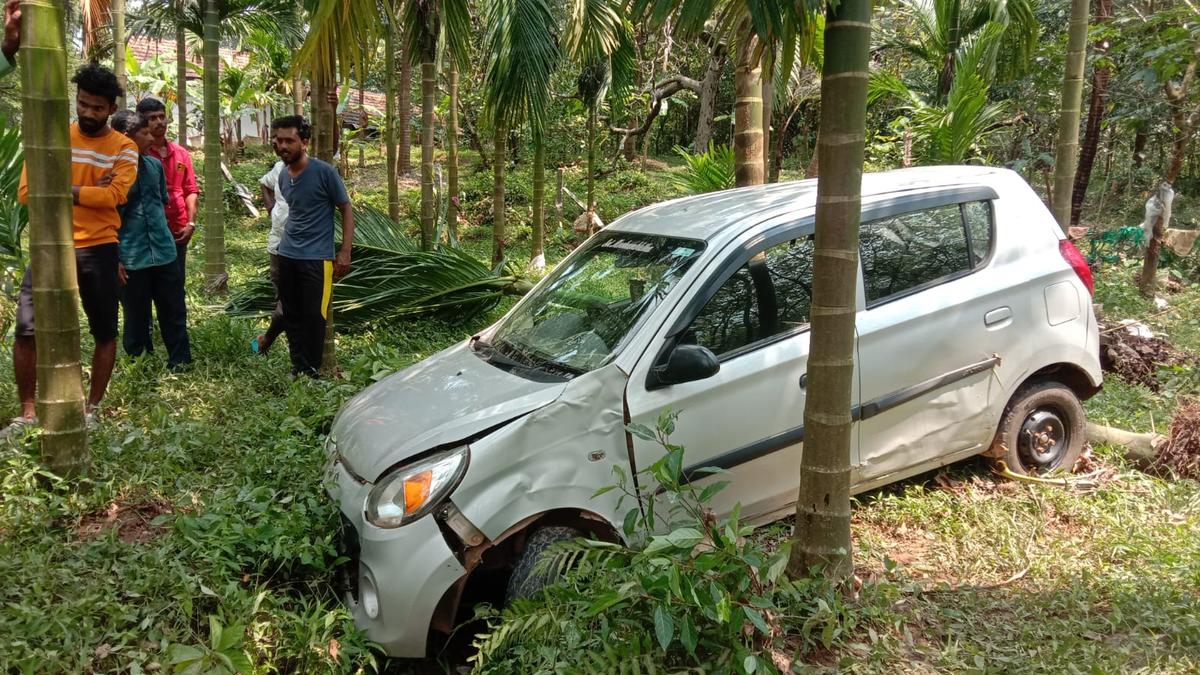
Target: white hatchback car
975,334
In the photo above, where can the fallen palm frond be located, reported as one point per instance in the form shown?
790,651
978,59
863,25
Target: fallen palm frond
392,277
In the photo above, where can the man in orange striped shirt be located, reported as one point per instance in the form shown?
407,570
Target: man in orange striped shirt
103,168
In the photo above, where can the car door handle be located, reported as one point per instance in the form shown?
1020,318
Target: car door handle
804,380
997,316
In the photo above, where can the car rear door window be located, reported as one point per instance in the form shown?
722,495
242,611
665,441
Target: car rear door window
768,296
904,252
978,216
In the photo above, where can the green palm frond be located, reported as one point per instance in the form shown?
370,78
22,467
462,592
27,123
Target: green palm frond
392,278
338,32
523,53
239,18
13,215
707,171
456,31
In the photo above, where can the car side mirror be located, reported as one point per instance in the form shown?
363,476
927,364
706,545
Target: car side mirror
686,363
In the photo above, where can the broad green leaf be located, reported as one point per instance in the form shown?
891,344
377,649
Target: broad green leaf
181,654
664,627
687,634
756,618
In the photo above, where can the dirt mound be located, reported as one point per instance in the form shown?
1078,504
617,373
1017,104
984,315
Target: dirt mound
1181,453
134,522
1137,358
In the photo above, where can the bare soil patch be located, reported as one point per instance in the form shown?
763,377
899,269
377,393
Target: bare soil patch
133,520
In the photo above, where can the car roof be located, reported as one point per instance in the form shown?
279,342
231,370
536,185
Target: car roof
707,216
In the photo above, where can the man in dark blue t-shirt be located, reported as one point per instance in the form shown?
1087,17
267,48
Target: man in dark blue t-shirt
307,264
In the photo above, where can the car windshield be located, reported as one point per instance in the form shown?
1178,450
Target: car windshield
582,315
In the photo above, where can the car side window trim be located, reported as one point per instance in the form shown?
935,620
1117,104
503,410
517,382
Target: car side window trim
789,437
977,194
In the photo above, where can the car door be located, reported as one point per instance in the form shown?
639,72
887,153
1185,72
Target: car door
930,336
748,417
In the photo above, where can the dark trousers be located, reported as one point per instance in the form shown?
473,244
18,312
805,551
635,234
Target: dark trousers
181,261
276,326
305,288
163,286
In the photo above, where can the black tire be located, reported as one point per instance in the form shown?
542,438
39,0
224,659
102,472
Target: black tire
1042,430
524,582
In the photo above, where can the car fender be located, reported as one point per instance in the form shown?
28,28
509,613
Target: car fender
556,457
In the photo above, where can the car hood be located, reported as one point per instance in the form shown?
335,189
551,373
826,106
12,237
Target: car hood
446,398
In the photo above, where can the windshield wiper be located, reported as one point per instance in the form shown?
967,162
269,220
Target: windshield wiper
493,355
536,360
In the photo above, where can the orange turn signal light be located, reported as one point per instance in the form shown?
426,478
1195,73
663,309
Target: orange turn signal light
416,490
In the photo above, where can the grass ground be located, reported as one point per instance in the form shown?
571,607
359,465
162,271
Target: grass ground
201,533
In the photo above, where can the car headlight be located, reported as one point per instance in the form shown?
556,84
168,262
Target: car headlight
412,491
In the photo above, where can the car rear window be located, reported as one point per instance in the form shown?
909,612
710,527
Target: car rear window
914,250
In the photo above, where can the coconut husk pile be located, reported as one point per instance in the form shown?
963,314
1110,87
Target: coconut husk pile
1181,453
1137,358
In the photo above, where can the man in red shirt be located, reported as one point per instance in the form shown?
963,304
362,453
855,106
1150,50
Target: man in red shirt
183,195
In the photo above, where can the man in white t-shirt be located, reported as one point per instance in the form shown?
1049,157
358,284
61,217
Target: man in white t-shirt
278,208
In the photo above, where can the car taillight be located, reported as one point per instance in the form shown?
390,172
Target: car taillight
1078,263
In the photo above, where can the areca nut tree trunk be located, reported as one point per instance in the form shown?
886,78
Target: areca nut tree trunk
297,94
404,104
500,145
428,103
1067,147
45,108
215,279
452,188
1097,100
822,530
116,12
768,111
522,55
389,123
181,95
748,108
423,19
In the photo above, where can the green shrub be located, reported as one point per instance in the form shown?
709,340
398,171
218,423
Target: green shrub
703,594
708,171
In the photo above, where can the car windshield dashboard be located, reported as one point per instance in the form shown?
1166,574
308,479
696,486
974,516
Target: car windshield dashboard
582,315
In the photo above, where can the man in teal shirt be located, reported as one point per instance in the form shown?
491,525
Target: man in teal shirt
12,36
148,270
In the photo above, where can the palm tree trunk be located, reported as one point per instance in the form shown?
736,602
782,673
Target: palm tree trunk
452,153
404,103
953,40
389,124
748,109
768,110
215,279
324,138
428,93
1091,134
363,125
498,162
117,14
44,107
822,530
1067,147
591,161
538,258
329,364
181,94
297,95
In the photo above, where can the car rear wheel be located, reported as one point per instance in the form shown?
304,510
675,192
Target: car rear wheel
526,580
1042,430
